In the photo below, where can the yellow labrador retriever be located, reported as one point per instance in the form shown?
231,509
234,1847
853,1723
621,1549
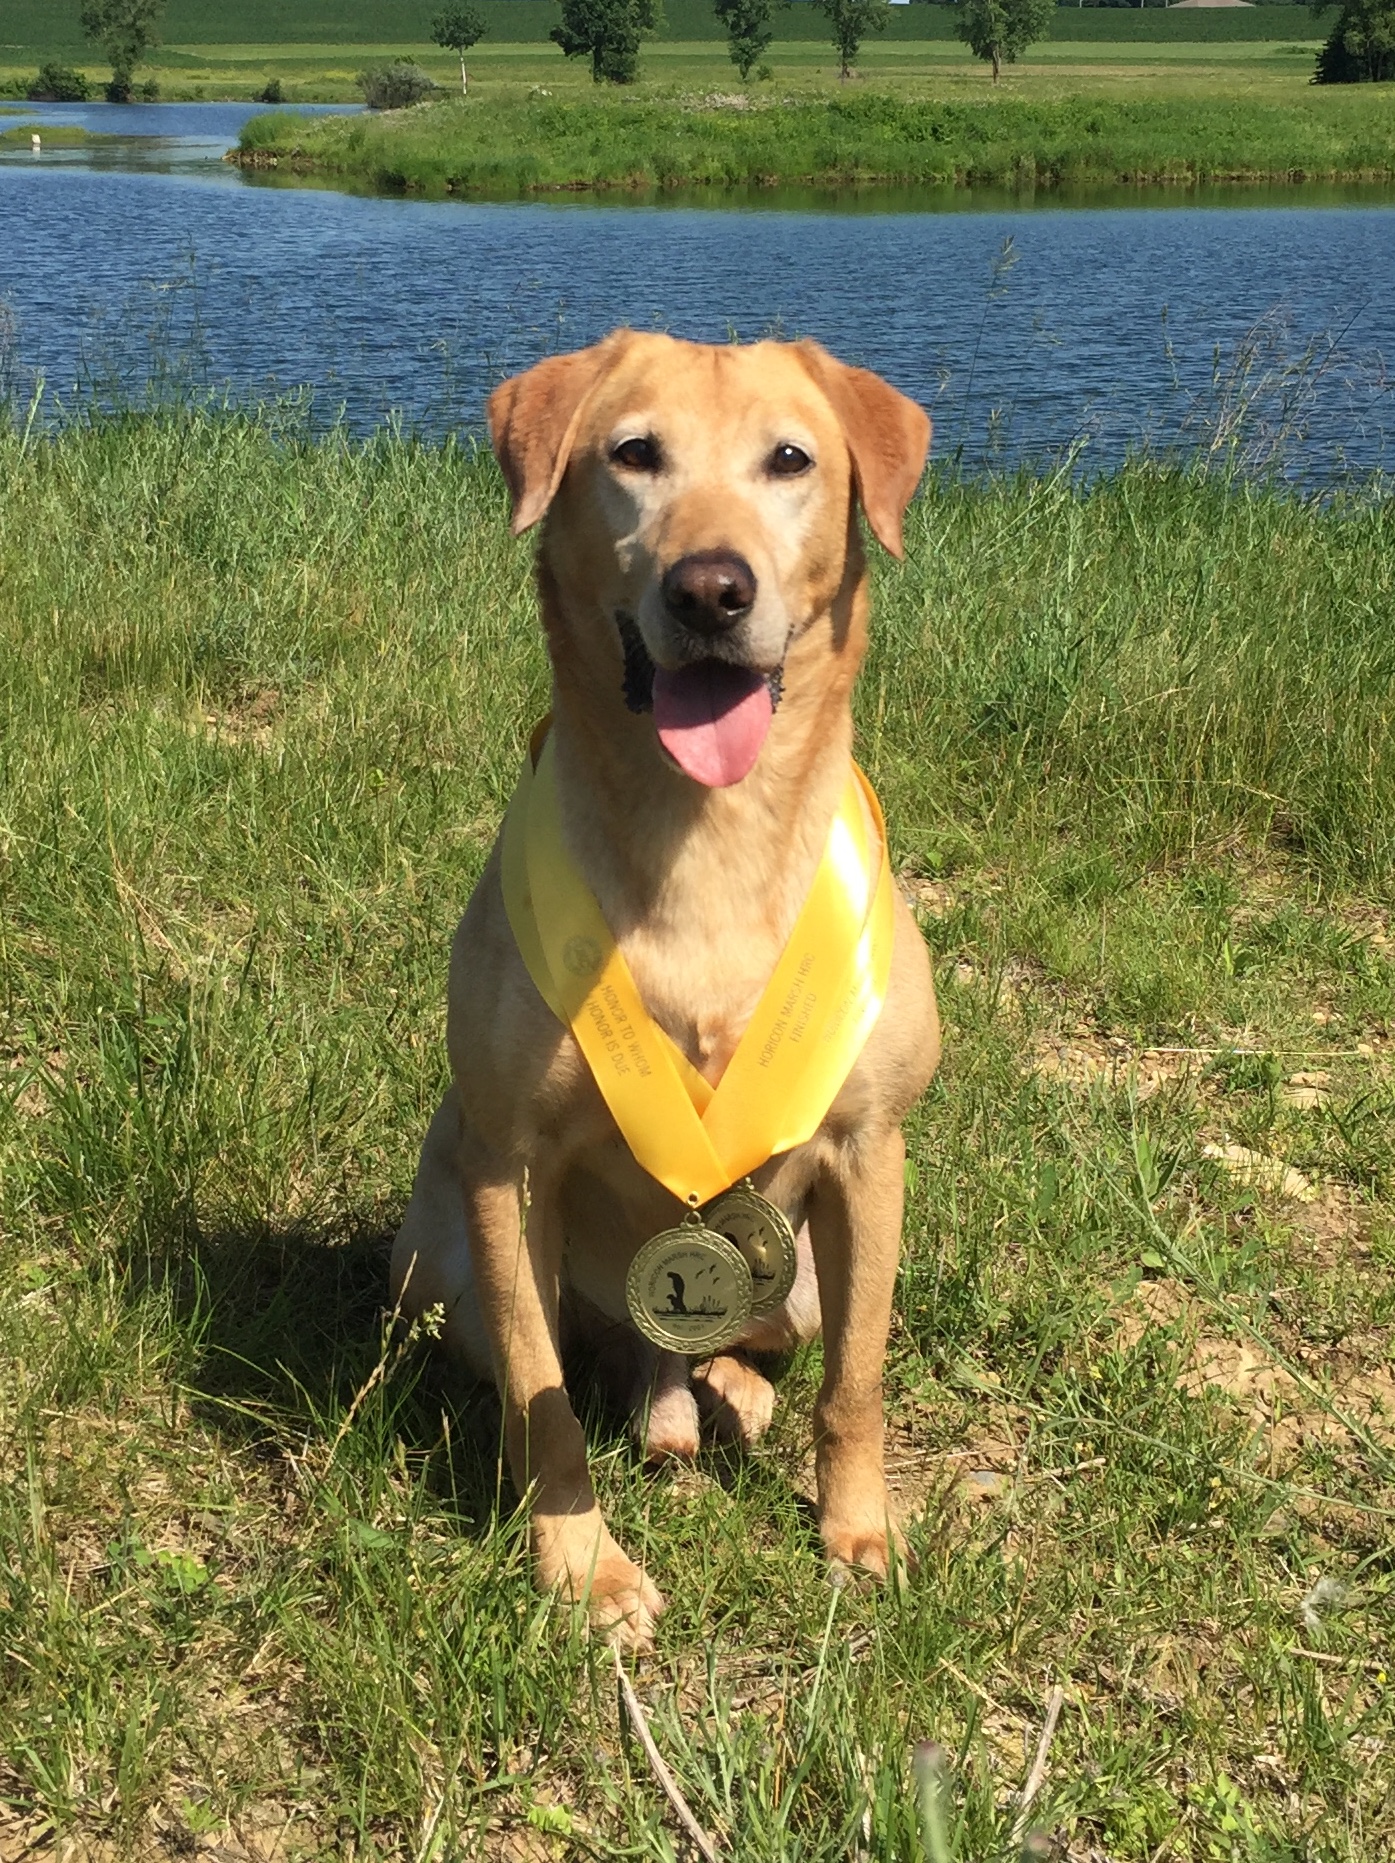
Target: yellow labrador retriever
704,593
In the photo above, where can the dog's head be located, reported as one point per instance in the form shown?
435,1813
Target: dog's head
700,503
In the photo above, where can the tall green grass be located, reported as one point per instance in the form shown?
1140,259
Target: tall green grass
507,146
262,697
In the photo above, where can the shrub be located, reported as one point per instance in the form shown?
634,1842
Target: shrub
57,83
395,86
271,93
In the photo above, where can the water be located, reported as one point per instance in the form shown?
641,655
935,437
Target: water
1025,332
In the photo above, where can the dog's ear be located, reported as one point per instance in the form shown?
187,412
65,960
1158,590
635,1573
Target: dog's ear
888,437
533,420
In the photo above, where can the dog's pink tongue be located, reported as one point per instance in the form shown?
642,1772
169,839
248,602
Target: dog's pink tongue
712,719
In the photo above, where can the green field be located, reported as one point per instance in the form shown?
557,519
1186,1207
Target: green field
319,49
45,26
1216,74
316,53
261,700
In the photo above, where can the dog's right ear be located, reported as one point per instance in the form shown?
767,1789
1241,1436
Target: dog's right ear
533,420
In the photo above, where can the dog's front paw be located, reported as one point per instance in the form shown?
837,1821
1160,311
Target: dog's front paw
583,1563
624,1603
865,1545
736,1400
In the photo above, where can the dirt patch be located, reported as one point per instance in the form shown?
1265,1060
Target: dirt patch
1260,1171
251,721
1308,1089
30,1098
1350,1394
1086,1057
936,898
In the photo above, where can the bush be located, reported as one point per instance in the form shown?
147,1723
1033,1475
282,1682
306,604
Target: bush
150,91
273,92
395,86
57,83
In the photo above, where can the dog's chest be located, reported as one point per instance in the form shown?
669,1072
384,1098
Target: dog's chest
703,993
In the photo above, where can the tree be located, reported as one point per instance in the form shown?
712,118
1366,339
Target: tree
608,32
748,30
456,30
1000,29
851,21
125,30
1360,48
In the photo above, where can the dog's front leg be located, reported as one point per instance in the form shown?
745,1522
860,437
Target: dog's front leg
518,1268
855,1228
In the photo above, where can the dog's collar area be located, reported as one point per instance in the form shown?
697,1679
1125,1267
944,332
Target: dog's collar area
637,681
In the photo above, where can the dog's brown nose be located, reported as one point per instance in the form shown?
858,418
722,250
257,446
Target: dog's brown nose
710,591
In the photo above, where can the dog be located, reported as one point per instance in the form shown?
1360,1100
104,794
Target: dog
699,511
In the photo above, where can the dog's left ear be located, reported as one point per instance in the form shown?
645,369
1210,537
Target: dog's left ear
533,420
888,436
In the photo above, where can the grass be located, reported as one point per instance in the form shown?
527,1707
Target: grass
261,702
518,145
55,136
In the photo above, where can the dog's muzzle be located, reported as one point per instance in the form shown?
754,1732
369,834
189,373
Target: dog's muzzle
638,678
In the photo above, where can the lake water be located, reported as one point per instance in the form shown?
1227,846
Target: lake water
1025,330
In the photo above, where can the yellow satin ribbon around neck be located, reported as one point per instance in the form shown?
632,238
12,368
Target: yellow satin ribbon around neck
808,1029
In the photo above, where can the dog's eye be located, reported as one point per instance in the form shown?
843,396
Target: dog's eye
638,455
787,461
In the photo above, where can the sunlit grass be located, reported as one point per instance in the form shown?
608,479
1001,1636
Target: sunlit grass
261,703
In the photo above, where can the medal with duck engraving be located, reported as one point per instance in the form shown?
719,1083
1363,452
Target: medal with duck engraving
763,1237
689,1290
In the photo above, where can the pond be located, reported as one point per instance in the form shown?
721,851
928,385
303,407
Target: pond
1028,330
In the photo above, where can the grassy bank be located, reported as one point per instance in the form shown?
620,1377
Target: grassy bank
261,703
507,145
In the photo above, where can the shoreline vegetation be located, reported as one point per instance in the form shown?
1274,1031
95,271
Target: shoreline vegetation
518,146
54,136
263,698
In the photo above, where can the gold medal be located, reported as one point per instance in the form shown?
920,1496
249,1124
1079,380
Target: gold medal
689,1290
763,1237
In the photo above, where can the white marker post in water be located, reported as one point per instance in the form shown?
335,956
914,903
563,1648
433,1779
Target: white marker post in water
35,144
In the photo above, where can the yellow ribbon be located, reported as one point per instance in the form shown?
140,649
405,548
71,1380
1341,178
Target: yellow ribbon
808,1029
